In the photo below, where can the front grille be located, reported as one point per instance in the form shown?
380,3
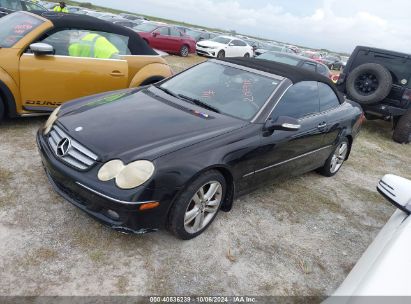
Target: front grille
202,52
203,46
73,153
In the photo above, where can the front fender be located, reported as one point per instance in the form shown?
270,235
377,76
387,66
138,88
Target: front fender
10,92
152,72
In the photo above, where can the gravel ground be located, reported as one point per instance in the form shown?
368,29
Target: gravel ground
300,237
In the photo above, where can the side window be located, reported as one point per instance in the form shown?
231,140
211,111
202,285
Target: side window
11,4
174,32
33,7
83,43
241,43
328,99
321,69
309,66
163,31
300,100
236,42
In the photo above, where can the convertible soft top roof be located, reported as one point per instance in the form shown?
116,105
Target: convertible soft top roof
136,45
295,74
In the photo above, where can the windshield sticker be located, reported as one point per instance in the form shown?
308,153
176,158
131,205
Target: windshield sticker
208,94
247,92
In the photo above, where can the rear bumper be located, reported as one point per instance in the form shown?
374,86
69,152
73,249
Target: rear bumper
384,110
121,214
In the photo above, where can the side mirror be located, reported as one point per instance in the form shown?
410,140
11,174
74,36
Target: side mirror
397,190
155,34
283,123
41,49
231,44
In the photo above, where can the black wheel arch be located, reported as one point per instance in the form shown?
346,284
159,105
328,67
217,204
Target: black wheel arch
230,194
8,99
152,79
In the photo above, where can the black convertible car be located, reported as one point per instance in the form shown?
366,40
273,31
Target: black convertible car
171,155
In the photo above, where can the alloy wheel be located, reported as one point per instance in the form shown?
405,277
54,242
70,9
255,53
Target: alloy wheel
366,84
184,51
203,207
339,157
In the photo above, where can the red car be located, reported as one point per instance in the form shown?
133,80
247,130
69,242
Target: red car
166,38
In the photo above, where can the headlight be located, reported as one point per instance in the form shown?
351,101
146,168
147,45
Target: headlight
126,177
52,119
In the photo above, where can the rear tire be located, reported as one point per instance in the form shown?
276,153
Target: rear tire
246,55
190,207
402,131
221,54
335,161
184,51
369,76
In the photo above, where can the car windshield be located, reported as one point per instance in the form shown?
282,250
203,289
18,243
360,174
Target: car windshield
222,40
279,58
145,27
222,88
15,26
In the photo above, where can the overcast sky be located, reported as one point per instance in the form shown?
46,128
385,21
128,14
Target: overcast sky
338,25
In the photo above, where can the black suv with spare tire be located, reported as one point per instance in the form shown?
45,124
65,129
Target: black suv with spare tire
380,80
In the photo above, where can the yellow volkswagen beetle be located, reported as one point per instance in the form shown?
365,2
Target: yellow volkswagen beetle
48,58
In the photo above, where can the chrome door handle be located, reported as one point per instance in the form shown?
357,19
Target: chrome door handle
116,74
322,125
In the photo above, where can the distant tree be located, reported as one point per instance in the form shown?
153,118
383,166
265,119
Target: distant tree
86,5
233,32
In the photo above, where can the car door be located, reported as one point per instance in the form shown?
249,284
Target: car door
161,39
286,153
230,49
175,39
243,48
237,48
330,108
47,81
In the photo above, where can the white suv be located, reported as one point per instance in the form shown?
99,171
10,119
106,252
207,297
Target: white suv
224,46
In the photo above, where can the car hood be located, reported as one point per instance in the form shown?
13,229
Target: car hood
210,43
141,124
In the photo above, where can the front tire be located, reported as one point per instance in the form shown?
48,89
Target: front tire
335,161
184,51
198,205
402,131
221,54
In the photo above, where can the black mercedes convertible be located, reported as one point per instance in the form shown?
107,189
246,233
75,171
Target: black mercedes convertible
171,155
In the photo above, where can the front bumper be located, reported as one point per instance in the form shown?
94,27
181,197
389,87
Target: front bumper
121,214
207,52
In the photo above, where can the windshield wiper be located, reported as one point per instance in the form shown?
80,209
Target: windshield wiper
168,92
199,103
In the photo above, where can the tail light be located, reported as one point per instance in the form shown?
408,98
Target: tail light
362,118
407,95
335,78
